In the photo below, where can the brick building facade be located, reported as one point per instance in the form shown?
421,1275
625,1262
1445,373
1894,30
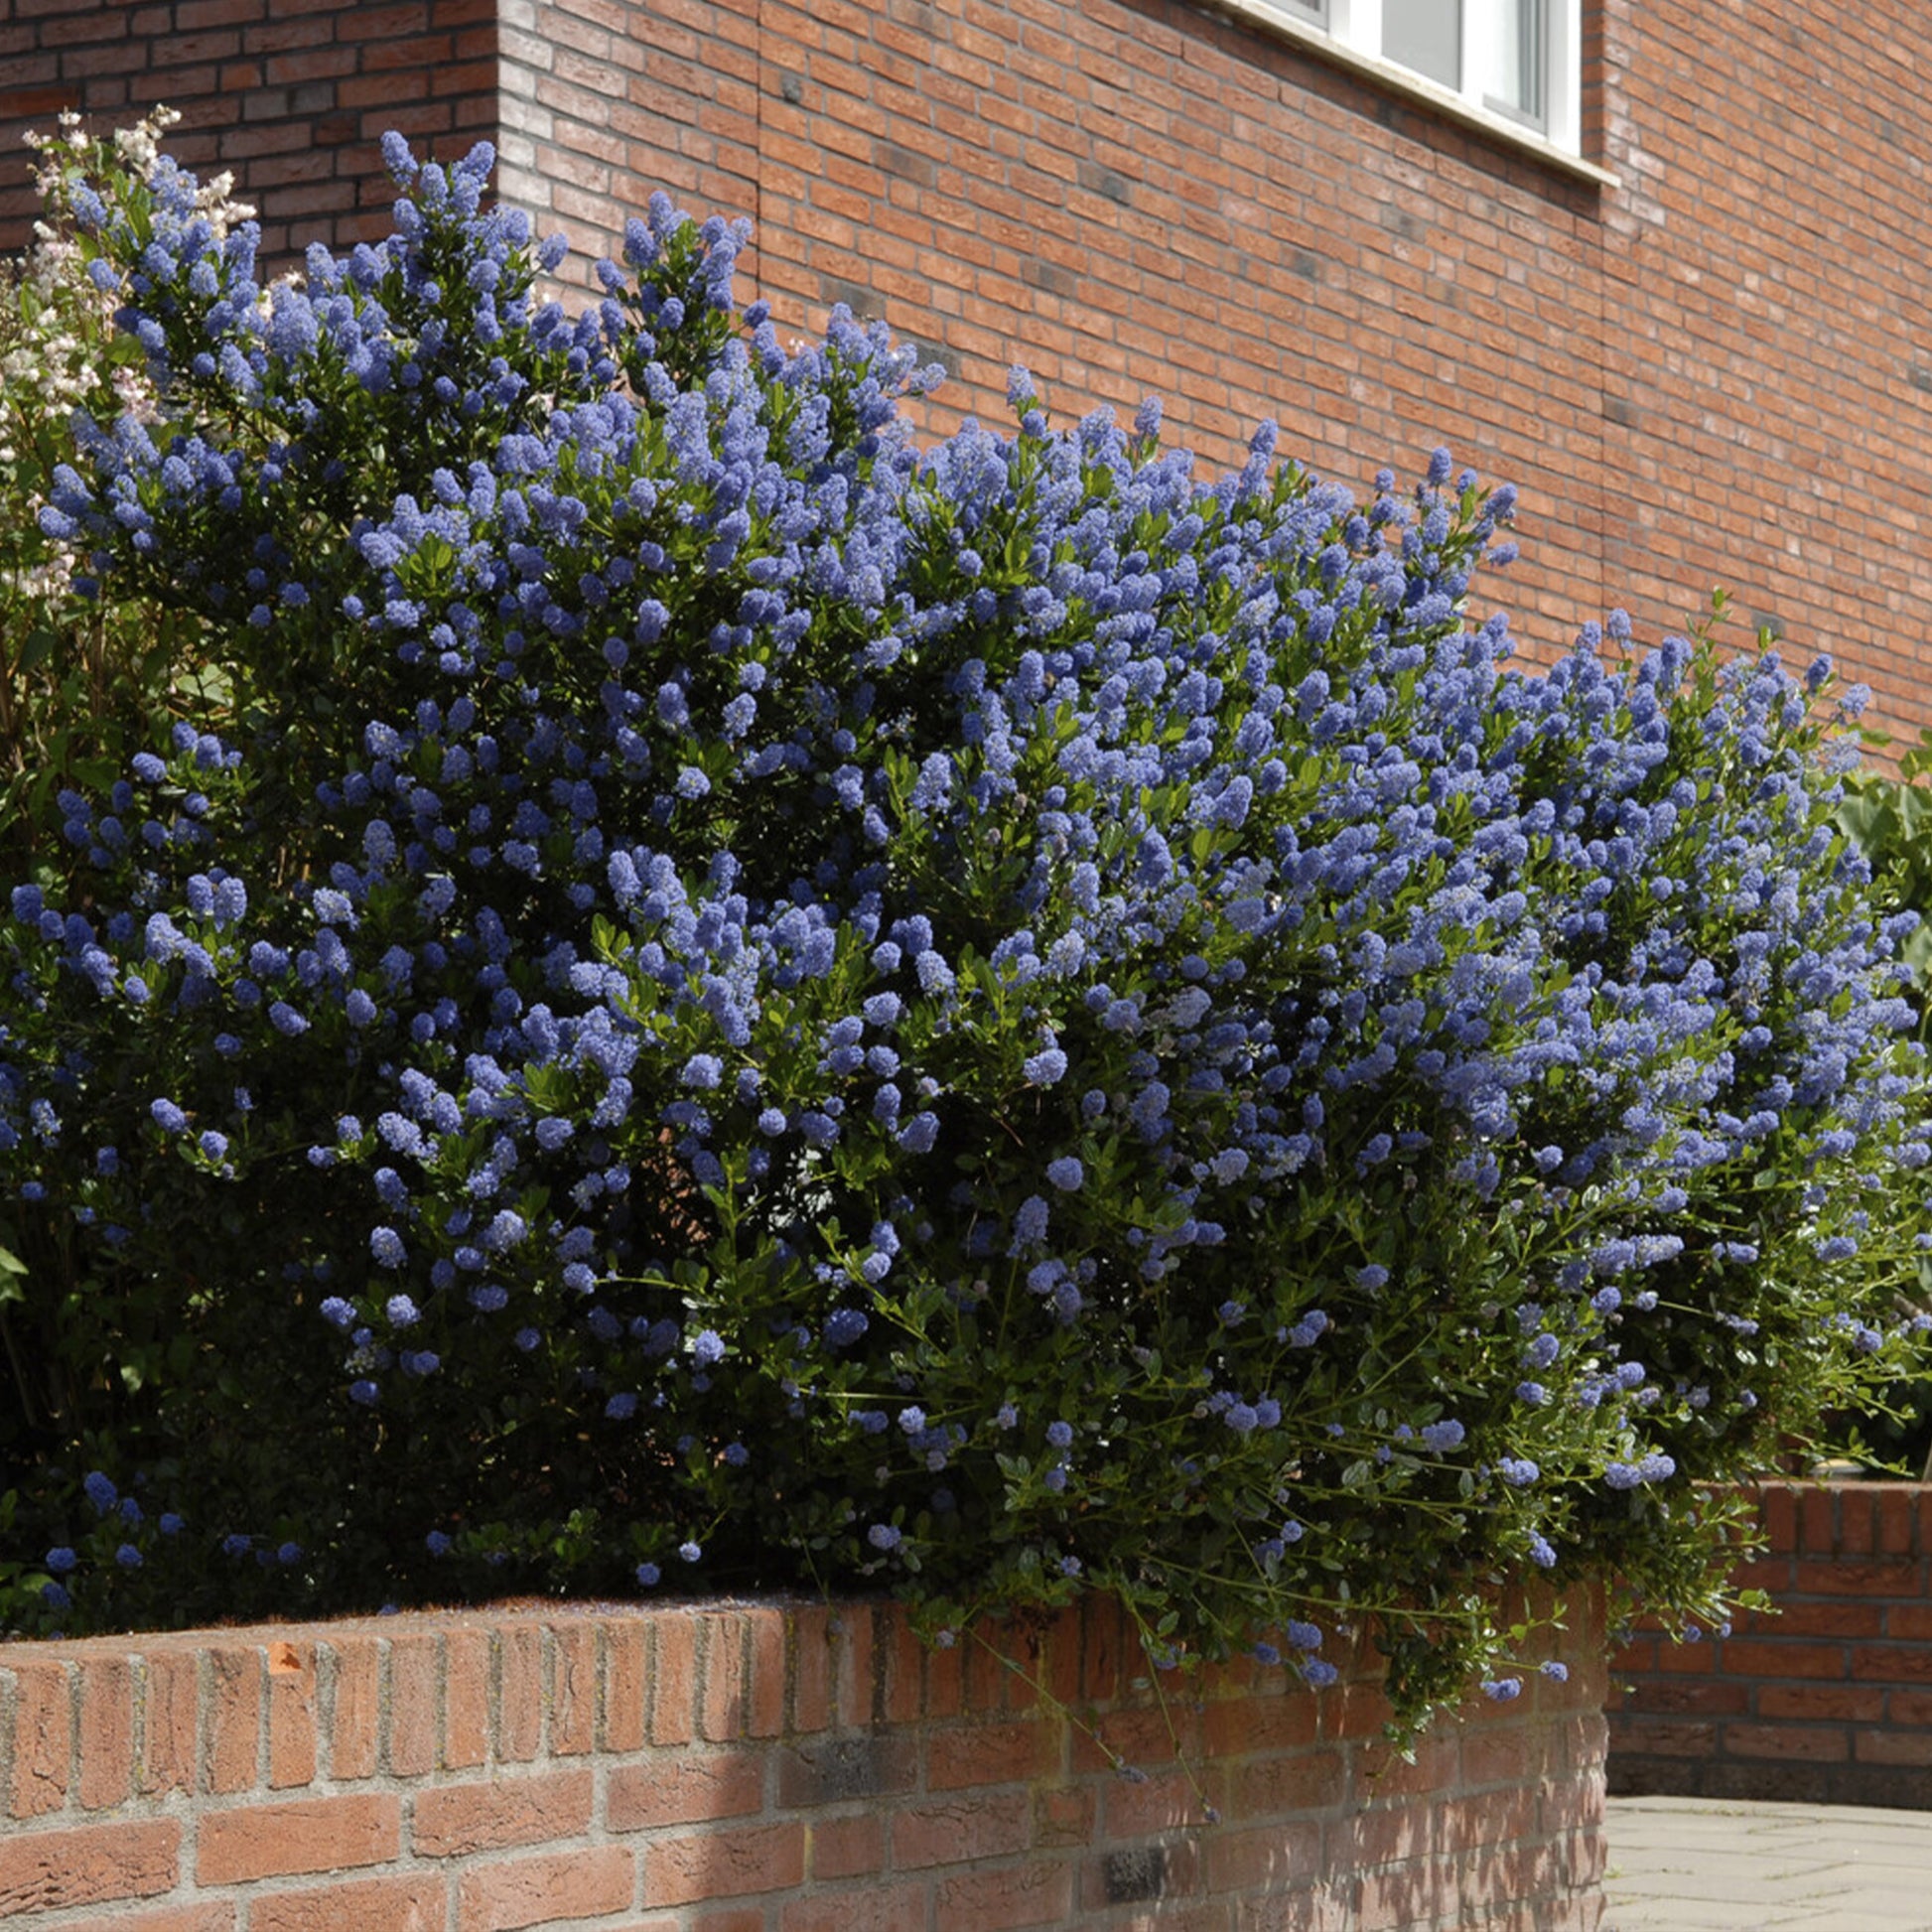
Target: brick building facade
1692,332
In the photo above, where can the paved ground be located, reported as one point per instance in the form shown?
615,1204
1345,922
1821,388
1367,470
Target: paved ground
1712,1864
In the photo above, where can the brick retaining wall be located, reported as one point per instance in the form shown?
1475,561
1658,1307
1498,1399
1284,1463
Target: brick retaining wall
1830,1699
759,1769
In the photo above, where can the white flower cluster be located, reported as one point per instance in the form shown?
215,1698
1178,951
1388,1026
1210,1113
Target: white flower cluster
55,345
58,338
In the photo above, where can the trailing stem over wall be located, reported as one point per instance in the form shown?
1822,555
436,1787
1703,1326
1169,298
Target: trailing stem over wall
820,1768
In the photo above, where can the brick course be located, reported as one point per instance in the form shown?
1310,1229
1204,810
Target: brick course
818,1769
1826,1698
294,100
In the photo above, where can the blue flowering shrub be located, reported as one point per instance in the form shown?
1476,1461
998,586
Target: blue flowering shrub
742,1005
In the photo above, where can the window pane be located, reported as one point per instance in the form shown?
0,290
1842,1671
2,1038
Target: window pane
1509,37
1425,35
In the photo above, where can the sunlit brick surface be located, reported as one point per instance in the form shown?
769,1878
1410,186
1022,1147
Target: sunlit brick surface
771,1769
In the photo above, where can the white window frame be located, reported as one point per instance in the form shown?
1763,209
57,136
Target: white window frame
1350,32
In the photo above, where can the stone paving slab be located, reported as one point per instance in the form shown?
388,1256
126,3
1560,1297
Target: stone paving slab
1714,1864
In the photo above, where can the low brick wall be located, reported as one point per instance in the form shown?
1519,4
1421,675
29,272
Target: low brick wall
1830,1699
760,1768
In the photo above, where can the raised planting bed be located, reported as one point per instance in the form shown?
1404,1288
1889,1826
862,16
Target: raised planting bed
814,1766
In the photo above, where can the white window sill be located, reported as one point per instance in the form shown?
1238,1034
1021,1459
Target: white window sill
1399,80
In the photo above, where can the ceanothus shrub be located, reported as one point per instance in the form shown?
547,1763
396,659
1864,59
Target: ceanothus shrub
718,1001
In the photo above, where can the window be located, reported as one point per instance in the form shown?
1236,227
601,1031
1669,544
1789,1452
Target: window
1425,35
1518,59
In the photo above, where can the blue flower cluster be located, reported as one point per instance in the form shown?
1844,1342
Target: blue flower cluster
718,986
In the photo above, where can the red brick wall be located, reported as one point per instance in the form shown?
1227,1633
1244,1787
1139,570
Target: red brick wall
1128,198
756,1769
1712,372
1709,375
606,101
293,100
1766,279
1829,1699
